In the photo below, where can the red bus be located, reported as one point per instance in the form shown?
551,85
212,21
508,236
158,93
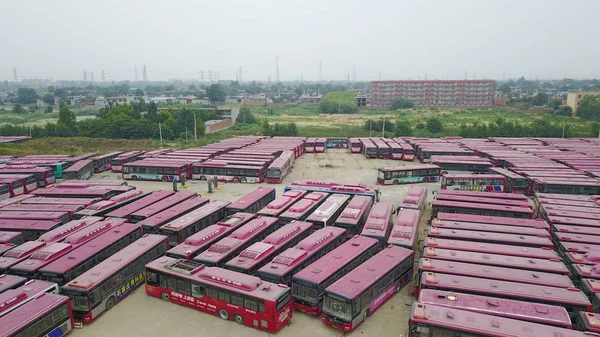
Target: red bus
102,162
227,248
408,152
200,241
280,167
51,252
28,181
588,321
356,145
492,237
571,218
62,232
356,295
572,299
564,247
408,174
62,217
369,148
14,298
94,192
521,310
326,214
145,201
159,170
44,176
515,183
354,216
396,150
5,192
416,198
183,227
309,145
482,227
383,149
580,238
15,238
591,258
320,145
482,200
308,286
100,288
337,142
405,232
301,209
259,253
228,173
312,248
490,248
161,205
379,222
445,206
335,187
15,187
81,170
252,202
476,194
116,164
86,256
493,220
8,282
444,321
151,224
85,202
36,208
494,273
18,254
44,315
282,203
548,263
243,298
566,186
102,207
581,271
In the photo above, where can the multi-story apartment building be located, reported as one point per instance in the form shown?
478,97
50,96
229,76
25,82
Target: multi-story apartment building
438,93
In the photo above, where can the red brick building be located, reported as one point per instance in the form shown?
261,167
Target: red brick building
435,93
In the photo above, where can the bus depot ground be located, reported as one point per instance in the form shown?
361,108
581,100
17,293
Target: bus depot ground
142,315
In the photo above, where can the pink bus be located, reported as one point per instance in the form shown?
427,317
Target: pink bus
46,208
150,199
161,205
281,203
118,275
228,173
327,213
62,232
520,310
152,223
18,254
252,202
301,209
483,227
8,282
494,273
199,242
320,145
355,214
309,145
355,145
31,229
572,299
43,175
308,287
116,163
433,320
183,227
45,315
358,294
580,238
102,207
396,150
280,167
481,200
85,202
569,219
102,162
89,254
490,237
379,222
446,206
490,248
15,238
29,180
227,248
492,220
310,249
14,298
548,263
260,253
405,232
485,195
416,198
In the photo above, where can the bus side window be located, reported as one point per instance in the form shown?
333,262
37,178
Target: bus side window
198,291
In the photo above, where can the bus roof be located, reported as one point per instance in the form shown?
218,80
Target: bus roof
107,155
30,313
355,209
480,200
251,197
8,281
13,298
78,166
16,215
364,276
447,203
195,215
173,212
477,176
163,204
125,256
490,248
125,211
485,325
497,220
155,163
60,201
67,229
69,208
282,202
514,239
513,196
328,207
129,154
327,266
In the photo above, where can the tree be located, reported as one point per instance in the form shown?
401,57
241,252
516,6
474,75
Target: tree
403,128
565,110
139,92
555,103
245,116
338,102
216,93
192,88
18,108
152,112
589,108
540,99
48,99
67,118
402,103
434,125
26,96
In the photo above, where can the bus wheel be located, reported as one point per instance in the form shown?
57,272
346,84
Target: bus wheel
238,319
202,178
134,177
398,287
243,179
110,303
368,313
163,179
224,314
444,173
487,190
396,182
165,296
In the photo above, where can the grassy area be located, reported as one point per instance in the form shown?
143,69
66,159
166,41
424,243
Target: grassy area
36,117
78,145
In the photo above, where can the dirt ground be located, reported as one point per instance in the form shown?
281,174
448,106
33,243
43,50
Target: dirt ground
142,315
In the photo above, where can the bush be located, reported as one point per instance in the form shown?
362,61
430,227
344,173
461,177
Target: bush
565,110
403,129
402,103
434,125
245,116
377,125
420,126
338,102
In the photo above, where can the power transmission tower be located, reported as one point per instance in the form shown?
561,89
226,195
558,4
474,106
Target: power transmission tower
145,73
15,77
92,77
136,74
320,70
84,76
210,75
240,74
353,73
277,68
103,77
202,75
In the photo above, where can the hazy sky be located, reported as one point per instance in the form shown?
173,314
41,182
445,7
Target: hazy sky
398,39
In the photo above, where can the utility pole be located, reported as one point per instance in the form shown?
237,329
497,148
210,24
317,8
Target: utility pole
383,129
201,75
195,129
15,77
240,76
136,74
370,127
353,73
563,133
145,73
91,77
186,138
103,77
277,68
160,131
84,76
